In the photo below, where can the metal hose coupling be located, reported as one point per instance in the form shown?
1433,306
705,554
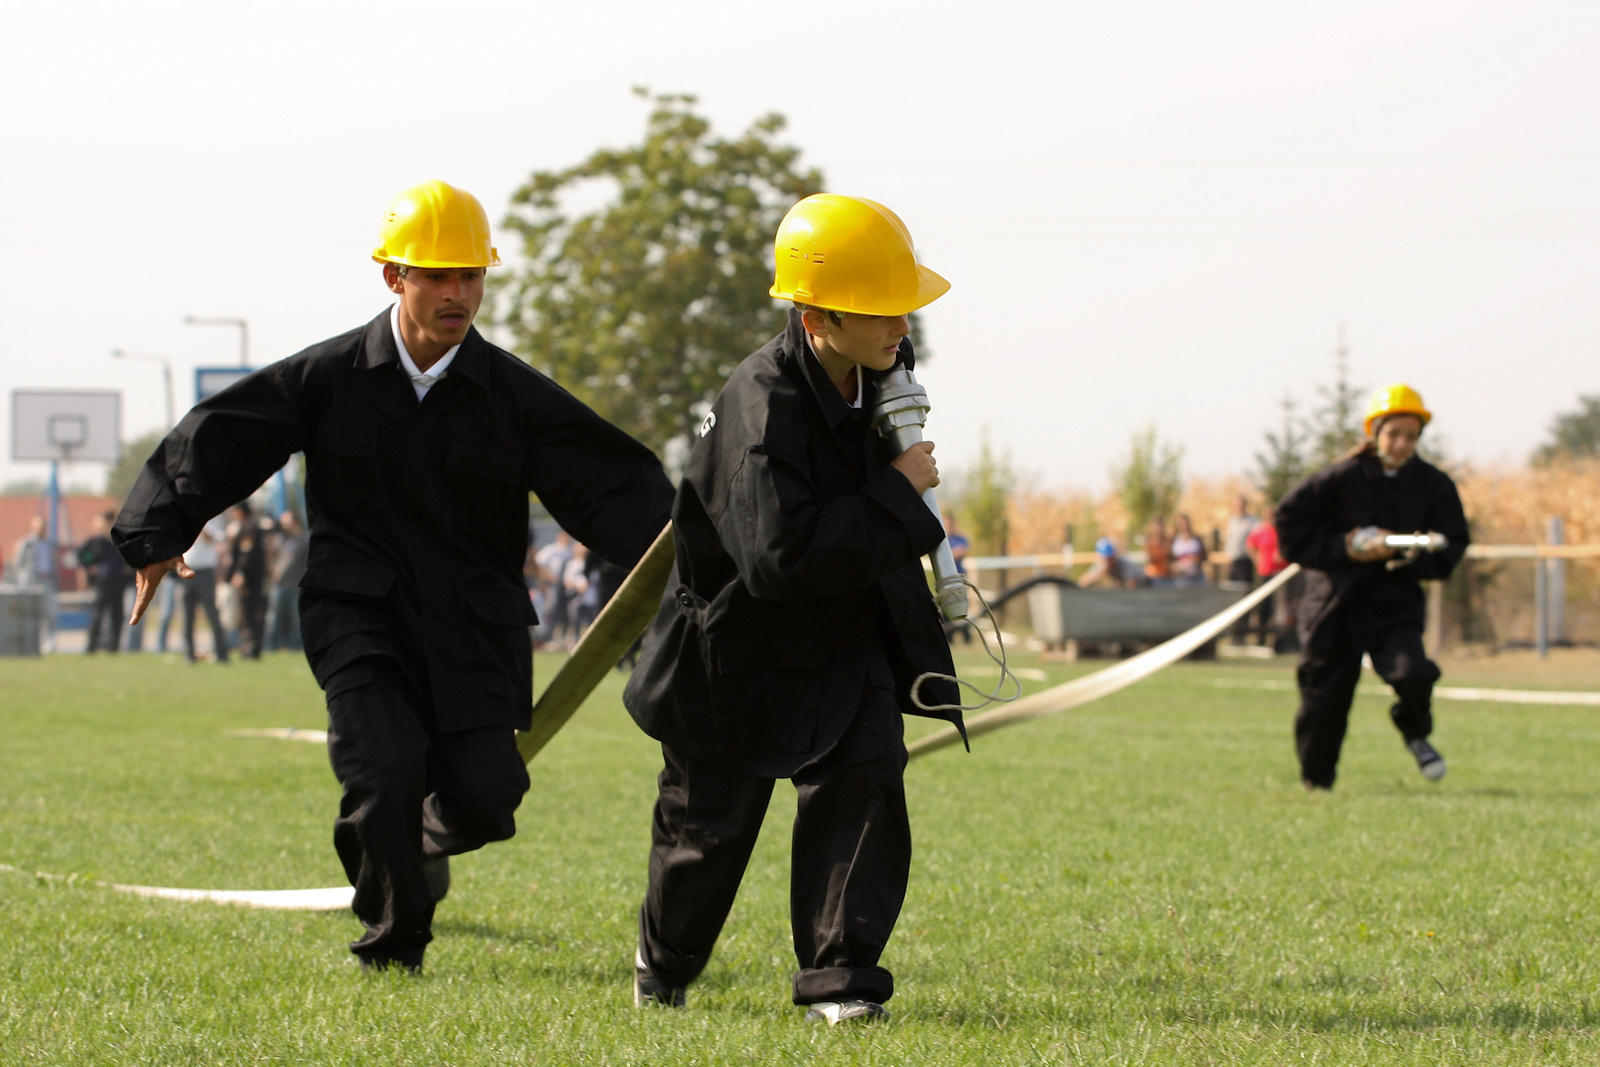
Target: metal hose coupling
900,413
1411,546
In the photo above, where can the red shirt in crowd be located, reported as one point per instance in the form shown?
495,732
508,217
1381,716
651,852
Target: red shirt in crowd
1264,539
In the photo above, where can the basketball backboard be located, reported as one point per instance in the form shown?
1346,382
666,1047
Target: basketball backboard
66,425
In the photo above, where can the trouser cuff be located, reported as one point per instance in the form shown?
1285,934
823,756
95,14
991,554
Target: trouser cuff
843,983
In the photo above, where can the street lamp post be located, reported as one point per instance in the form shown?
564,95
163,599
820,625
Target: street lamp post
166,374
244,332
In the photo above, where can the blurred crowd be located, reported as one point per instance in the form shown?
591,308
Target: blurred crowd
568,586
247,569
1242,555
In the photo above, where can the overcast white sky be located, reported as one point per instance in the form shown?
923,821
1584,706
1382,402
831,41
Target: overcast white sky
1150,212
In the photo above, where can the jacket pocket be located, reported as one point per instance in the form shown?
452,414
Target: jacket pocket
502,606
365,580
483,460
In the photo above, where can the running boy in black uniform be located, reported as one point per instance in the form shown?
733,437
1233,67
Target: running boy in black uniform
1360,598
794,624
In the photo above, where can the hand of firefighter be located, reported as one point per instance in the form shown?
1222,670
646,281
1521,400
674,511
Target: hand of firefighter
147,578
1370,548
918,465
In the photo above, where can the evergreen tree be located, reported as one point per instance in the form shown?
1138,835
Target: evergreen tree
1337,425
1573,435
1283,464
986,499
1150,481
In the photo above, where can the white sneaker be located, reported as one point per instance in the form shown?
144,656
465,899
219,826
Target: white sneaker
836,1012
1429,762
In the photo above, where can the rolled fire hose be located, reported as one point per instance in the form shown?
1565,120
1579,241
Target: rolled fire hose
612,633
1103,683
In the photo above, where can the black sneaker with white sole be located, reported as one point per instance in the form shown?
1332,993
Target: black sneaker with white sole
834,1012
1429,762
651,992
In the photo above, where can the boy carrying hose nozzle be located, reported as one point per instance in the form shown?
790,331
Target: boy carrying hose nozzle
796,619
1362,597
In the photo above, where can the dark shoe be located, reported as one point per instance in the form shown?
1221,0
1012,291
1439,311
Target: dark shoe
835,1012
650,991
1429,762
1313,787
437,872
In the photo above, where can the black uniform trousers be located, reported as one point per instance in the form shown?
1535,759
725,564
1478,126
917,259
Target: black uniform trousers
105,617
411,793
1330,668
201,592
252,622
851,857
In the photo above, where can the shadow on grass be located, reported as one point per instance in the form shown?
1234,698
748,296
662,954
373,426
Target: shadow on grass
1394,1017
484,932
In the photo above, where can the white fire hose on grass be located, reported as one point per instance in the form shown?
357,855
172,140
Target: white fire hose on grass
1081,691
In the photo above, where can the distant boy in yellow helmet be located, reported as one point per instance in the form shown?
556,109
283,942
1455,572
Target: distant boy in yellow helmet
1362,597
794,624
422,442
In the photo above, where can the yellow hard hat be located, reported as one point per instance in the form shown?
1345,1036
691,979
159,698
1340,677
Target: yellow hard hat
1397,399
850,254
435,225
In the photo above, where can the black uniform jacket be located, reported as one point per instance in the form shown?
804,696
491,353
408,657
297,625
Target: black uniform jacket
418,510
1316,514
798,551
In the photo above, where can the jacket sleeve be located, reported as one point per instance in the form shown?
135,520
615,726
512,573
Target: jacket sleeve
790,545
219,453
1304,521
603,487
1446,516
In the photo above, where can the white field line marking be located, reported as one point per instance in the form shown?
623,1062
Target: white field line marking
285,733
1443,692
334,898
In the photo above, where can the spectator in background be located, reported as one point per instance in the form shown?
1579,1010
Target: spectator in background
959,545
581,579
1110,568
1188,554
288,566
167,605
108,576
33,568
201,590
552,560
247,574
1241,568
1262,545
1157,552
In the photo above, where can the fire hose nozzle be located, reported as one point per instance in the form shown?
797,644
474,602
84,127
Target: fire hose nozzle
899,414
1419,542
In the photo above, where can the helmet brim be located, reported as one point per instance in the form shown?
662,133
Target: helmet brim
930,287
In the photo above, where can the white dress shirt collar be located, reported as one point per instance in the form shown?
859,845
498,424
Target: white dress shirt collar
419,381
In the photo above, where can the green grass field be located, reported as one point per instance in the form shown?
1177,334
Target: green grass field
1139,881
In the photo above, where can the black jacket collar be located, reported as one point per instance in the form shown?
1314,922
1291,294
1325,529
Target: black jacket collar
378,348
835,409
